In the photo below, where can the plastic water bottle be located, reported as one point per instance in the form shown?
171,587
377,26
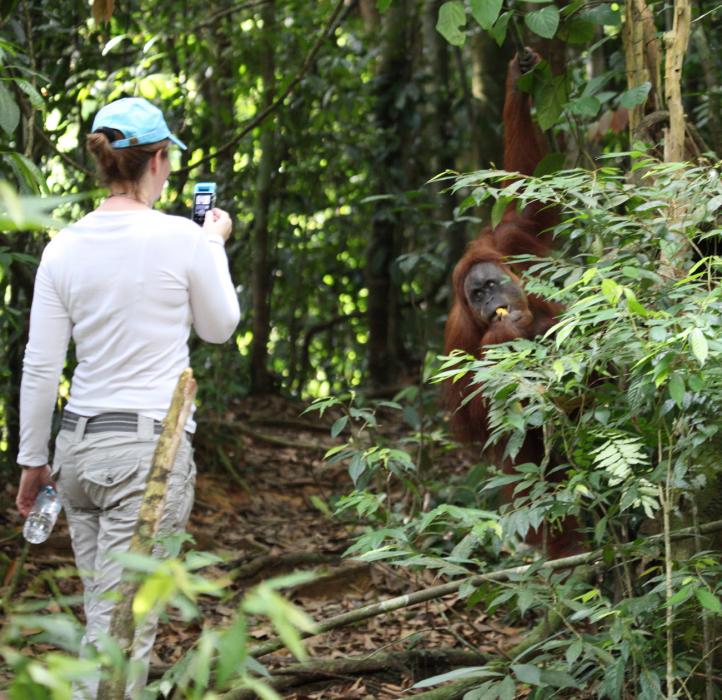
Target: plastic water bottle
42,516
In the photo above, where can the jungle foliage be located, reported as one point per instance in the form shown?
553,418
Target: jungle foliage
327,126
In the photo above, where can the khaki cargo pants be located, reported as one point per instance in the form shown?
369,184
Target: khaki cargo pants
101,479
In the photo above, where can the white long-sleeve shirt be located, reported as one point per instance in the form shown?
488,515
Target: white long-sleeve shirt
127,285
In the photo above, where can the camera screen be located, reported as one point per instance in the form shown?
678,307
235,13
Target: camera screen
201,204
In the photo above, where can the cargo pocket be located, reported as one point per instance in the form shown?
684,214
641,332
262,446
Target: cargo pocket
180,494
113,483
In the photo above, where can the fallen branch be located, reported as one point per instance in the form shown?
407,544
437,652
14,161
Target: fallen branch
122,625
292,559
263,437
415,662
223,457
318,427
445,589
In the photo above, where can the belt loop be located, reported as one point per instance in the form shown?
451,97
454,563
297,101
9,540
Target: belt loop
79,431
146,428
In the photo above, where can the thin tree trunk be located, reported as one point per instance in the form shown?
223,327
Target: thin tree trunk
122,626
261,278
674,254
641,53
711,79
392,75
676,44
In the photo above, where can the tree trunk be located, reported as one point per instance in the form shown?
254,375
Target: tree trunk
261,278
443,158
712,83
392,76
641,54
674,255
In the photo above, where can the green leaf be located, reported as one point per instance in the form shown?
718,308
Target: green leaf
468,672
558,679
36,99
551,99
338,426
574,651
682,595
383,5
525,599
498,31
551,163
486,12
357,467
676,389
507,689
585,106
9,111
577,30
497,211
708,600
543,22
698,345
526,673
635,96
604,15
452,17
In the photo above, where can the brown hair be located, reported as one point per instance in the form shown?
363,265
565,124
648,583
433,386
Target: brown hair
121,164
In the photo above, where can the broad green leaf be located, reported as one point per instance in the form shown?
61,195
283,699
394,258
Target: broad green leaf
611,290
558,679
682,595
452,18
585,106
9,111
551,99
574,651
551,163
507,689
527,673
383,5
635,96
357,467
698,345
497,211
486,12
708,600
28,88
577,30
498,31
338,426
714,203
604,15
676,389
543,22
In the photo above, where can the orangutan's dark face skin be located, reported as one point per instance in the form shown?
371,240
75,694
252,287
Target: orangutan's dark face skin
492,295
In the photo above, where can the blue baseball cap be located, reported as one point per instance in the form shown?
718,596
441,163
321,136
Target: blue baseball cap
137,119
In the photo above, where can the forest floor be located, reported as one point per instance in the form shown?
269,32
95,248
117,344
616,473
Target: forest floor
264,513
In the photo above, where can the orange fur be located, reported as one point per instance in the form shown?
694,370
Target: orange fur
519,233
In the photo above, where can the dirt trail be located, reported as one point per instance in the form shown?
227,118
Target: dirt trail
264,511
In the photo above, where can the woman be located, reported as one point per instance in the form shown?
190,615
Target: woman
126,282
